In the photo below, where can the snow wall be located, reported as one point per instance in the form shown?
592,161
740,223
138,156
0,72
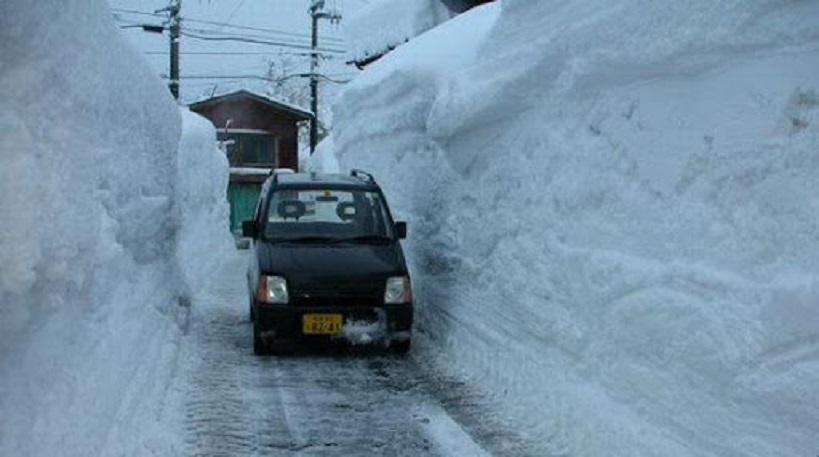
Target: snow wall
381,26
614,216
108,228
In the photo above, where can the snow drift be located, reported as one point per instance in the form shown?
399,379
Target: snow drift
381,26
614,216
105,222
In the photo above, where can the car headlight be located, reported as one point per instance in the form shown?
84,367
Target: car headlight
272,289
398,290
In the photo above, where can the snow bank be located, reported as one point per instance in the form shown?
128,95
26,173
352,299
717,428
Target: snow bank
613,215
323,160
100,214
204,240
386,24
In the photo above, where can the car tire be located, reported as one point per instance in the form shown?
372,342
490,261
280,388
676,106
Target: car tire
280,350
259,346
401,347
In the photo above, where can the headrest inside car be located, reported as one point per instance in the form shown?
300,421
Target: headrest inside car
291,209
345,211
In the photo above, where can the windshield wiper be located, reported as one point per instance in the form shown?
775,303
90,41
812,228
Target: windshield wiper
364,239
304,239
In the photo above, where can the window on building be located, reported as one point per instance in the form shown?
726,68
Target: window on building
250,148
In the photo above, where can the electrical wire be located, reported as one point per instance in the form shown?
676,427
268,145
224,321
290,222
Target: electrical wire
263,78
237,53
285,39
259,29
240,37
201,35
236,77
261,42
235,10
143,13
248,36
234,26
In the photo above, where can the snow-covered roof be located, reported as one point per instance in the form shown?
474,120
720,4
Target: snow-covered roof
218,96
249,171
385,24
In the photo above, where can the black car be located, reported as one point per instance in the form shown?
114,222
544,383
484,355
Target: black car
327,265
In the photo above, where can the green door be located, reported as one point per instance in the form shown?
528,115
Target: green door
242,198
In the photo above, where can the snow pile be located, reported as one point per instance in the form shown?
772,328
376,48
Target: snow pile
95,201
323,160
614,216
204,240
385,24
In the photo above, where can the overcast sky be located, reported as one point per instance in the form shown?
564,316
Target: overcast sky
283,21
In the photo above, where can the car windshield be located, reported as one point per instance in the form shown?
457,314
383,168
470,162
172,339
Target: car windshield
327,216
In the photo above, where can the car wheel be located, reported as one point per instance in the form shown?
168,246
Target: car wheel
280,349
259,346
401,347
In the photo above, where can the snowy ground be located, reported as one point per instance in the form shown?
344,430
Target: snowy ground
613,216
229,402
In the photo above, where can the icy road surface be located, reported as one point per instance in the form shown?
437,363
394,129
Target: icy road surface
350,403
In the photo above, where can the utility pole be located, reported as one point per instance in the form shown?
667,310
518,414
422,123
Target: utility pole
175,29
174,26
314,80
316,12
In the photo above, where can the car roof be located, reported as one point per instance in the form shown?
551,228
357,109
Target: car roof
322,179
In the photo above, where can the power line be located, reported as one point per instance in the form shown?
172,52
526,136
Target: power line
235,10
263,78
245,35
278,38
143,13
245,27
236,53
255,38
242,38
228,25
237,77
257,41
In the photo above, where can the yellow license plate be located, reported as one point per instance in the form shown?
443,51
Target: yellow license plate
321,324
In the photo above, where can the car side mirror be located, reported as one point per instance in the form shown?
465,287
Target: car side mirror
250,229
401,230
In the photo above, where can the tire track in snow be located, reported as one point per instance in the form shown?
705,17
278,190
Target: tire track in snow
352,403
312,404
324,404
336,406
226,414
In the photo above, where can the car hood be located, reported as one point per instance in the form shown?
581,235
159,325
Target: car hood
310,265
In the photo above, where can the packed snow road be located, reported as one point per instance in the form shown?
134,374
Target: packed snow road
350,402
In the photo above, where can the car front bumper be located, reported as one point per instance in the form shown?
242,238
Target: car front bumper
361,324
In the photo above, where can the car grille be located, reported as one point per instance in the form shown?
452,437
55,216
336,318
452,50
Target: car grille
347,296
